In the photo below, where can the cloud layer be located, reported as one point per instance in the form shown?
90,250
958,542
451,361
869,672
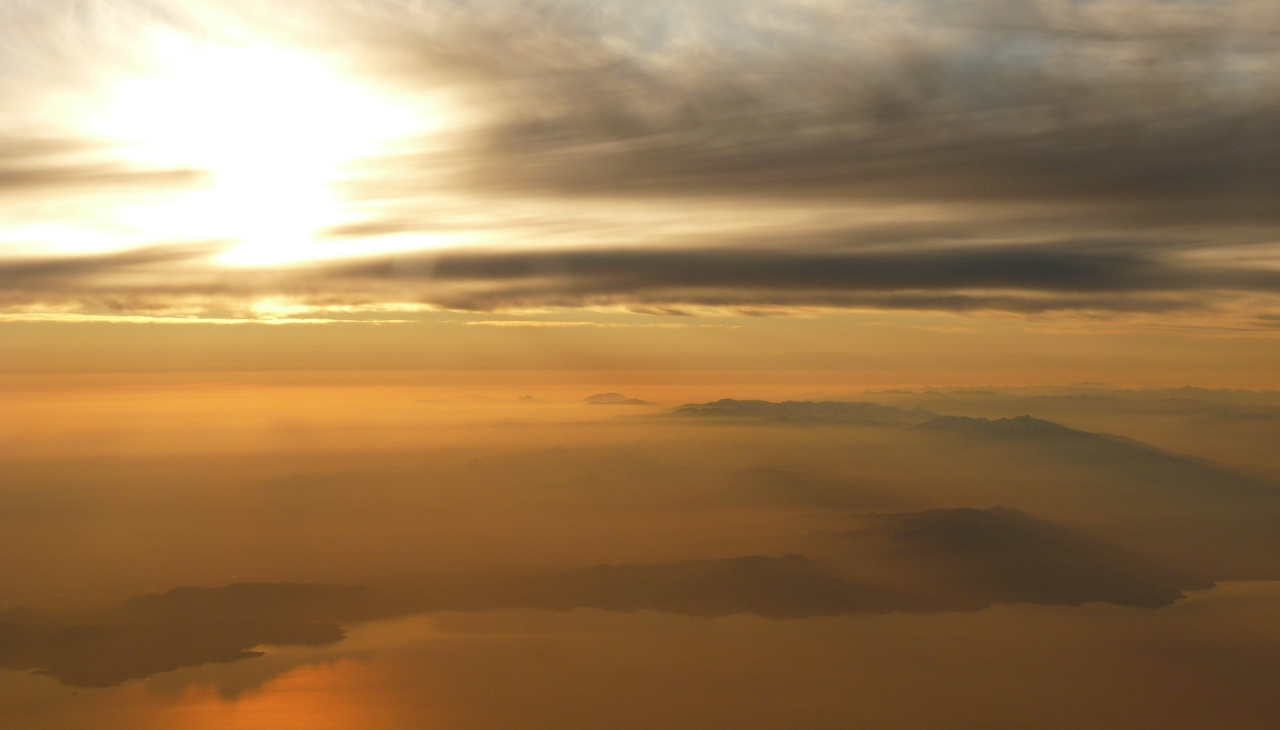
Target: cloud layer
1114,156
1024,278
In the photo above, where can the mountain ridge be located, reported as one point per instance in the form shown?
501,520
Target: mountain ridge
803,412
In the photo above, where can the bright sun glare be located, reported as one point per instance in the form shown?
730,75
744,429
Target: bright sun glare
274,130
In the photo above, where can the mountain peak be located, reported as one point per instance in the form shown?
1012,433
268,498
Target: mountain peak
1018,425
804,412
614,399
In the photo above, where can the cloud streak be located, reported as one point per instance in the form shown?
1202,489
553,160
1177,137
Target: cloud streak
1066,275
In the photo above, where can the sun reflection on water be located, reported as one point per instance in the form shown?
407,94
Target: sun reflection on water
342,695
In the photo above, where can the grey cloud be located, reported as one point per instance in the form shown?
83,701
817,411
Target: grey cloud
1020,278
36,273
1166,106
1048,268
33,164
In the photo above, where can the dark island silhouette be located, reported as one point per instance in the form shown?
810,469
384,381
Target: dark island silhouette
923,562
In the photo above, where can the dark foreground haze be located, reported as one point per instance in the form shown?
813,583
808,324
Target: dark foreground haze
956,558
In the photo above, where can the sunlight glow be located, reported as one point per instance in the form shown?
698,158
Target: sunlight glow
275,130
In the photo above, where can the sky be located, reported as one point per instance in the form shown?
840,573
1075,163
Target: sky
1076,167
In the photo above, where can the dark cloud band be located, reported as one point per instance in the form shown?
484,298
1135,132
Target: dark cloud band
1018,278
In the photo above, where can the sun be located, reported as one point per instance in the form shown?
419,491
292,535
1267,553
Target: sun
273,130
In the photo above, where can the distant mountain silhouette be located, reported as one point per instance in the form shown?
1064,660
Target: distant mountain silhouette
614,399
1172,475
1094,399
1203,515
1003,555
1019,425
803,412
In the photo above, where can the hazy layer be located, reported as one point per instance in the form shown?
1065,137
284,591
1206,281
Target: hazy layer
1205,662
